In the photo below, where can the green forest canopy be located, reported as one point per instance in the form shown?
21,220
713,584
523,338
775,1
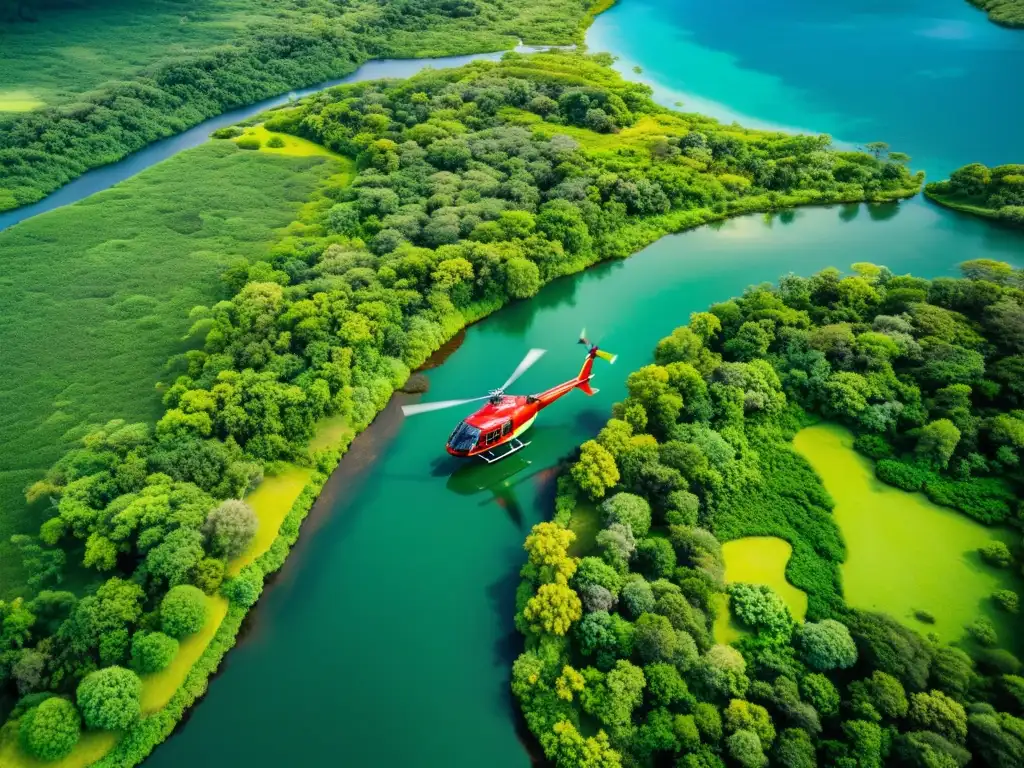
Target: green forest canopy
117,78
475,186
1009,13
621,667
995,192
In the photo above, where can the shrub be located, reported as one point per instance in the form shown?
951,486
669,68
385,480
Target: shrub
873,446
628,509
230,528
109,698
924,617
183,610
996,554
902,475
760,608
276,142
245,588
826,645
152,651
984,632
248,142
51,730
1007,599
230,132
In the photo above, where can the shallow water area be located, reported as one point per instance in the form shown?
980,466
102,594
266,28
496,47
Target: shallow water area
904,553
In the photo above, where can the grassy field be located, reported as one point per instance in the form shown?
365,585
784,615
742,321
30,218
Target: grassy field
70,49
94,298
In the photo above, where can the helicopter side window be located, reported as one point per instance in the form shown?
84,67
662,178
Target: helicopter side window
506,428
493,435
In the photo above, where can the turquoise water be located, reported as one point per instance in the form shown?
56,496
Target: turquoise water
387,638
933,78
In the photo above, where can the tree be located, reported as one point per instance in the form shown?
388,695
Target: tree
996,554
664,685
820,693
655,639
51,730
760,608
887,645
547,548
592,570
553,609
880,696
109,698
865,741
936,442
230,528
612,697
183,611
826,645
152,651
245,588
924,749
951,671
743,715
628,509
637,598
595,472
721,673
522,278
656,558
795,750
935,711
745,748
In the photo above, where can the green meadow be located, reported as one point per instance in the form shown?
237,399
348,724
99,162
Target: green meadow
66,50
94,299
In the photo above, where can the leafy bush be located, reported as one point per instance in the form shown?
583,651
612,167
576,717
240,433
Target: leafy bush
183,611
51,730
109,698
248,142
152,651
229,132
276,142
906,476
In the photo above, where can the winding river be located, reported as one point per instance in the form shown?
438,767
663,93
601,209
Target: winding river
387,638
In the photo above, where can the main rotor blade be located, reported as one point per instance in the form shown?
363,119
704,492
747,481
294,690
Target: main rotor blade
531,357
412,410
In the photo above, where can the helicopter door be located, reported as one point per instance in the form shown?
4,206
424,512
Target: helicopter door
507,428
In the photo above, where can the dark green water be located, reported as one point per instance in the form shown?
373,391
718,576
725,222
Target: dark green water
387,638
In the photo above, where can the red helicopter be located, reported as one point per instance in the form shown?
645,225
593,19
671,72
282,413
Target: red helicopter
493,432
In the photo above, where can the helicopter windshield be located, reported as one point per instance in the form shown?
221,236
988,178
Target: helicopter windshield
464,437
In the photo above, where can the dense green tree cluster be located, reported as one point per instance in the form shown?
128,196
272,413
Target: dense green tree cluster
699,451
997,192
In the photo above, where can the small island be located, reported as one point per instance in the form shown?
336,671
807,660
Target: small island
996,193
1008,13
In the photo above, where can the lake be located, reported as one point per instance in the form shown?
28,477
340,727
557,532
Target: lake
387,637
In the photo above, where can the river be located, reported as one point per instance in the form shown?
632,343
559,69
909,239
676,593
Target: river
387,638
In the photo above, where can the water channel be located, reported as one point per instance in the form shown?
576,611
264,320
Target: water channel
387,638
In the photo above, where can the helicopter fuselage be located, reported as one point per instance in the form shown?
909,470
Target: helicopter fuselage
506,417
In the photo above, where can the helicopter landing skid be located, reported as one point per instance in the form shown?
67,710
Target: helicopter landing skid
502,451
